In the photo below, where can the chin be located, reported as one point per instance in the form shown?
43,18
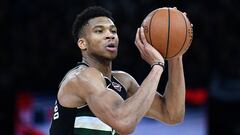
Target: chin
106,57
112,57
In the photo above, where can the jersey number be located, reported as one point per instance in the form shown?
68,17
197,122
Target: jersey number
56,113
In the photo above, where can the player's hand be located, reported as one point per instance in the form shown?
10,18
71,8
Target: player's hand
148,53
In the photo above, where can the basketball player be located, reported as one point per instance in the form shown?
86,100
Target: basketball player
94,100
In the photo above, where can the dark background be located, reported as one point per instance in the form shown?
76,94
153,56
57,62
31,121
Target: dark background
37,50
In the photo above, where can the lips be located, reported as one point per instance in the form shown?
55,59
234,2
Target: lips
111,47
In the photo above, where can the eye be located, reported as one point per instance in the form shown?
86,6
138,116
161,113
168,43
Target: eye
98,31
114,31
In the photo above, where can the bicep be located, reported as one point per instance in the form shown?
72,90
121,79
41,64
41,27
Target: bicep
104,105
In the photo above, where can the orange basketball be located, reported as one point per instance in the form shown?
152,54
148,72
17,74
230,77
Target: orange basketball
169,31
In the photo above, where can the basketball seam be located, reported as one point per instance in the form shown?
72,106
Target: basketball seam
184,39
151,28
168,36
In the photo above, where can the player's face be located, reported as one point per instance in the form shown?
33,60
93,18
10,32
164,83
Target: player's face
102,39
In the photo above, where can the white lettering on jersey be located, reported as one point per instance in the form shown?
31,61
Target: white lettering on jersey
56,113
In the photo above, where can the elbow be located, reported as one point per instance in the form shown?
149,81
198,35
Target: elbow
175,119
125,127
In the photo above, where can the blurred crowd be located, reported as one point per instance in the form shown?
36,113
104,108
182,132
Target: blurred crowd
37,48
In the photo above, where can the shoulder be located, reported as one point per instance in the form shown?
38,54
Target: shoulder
80,82
82,76
131,85
121,73
125,78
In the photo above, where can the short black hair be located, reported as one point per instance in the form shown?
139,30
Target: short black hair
84,16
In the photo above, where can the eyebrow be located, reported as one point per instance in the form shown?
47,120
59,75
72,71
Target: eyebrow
101,26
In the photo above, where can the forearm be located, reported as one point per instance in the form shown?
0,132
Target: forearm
175,90
135,107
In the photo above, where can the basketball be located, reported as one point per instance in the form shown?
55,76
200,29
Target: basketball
169,31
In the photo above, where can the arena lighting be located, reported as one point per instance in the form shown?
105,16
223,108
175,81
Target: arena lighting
196,96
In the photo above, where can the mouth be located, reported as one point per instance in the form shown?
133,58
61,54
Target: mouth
111,47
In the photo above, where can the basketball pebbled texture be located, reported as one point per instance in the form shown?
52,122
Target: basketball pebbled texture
169,31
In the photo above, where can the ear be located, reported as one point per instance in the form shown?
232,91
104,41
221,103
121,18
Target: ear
82,44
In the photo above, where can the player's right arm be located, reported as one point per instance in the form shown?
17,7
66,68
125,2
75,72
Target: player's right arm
108,106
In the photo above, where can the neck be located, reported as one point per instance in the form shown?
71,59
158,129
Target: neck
103,65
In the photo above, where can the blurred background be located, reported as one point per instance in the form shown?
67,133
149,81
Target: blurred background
37,50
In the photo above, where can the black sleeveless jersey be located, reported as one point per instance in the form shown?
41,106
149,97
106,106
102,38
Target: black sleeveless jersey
81,120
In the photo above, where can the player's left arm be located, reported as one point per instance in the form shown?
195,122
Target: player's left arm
170,107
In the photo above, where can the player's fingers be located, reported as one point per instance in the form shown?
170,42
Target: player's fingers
138,43
143,38
138,39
